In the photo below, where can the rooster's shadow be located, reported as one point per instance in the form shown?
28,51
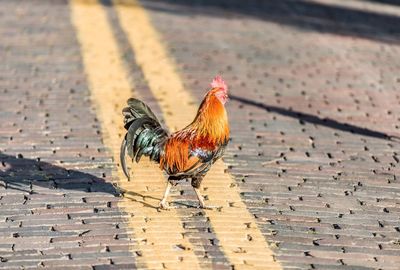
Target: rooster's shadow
33,176
27,175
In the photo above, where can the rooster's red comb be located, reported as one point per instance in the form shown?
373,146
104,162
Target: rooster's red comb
218,82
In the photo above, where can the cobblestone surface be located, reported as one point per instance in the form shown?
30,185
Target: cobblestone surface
314,116
57,208
314,97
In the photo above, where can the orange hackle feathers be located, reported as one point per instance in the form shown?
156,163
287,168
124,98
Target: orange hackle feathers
208,131
211,122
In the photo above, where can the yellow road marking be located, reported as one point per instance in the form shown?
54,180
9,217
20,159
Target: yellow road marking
156,233
234,226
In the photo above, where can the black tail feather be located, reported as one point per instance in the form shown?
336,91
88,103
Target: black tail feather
122,156
136,109
144,136
132,135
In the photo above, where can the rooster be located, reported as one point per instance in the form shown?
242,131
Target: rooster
185,154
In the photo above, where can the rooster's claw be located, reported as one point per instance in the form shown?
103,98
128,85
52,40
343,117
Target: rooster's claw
164,205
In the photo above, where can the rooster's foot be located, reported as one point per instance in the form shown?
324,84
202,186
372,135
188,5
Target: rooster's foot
202,204
164,205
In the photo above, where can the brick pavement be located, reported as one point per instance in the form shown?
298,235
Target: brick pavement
312,103
313,98
57,206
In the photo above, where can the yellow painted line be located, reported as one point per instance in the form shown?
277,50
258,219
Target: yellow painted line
236,229
156,234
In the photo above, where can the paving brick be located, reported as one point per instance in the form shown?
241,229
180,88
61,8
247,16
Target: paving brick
80,267
77,262
112,267
19,265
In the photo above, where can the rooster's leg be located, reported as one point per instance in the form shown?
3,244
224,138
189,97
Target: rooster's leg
201,200
196,182
164,204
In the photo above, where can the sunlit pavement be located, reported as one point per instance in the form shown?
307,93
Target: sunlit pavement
309,180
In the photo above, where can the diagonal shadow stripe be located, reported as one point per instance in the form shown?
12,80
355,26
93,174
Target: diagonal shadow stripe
312,119
301,14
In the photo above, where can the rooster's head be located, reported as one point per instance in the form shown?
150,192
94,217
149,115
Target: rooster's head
219,89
